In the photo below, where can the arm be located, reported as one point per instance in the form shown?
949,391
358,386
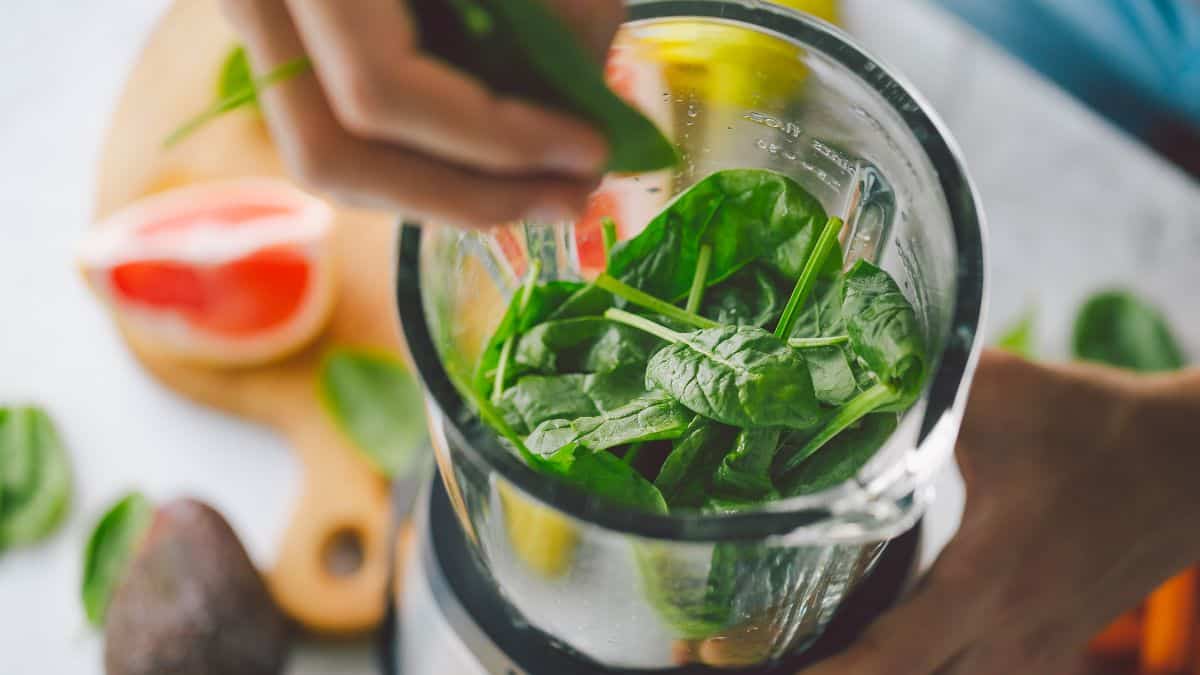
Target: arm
380,123
1081,498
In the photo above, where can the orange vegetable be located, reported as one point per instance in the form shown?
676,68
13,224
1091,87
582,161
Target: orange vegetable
1120,640
1169,624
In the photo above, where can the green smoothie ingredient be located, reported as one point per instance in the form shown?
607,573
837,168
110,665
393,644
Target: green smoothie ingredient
681,379
35,477
109,550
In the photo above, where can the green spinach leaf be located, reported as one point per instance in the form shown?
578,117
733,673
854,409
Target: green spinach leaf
376,402
655,416
748,298
35,477
584,344
1019,338
745,472
537,398
606,475
884,331
686,475
1119,329
737,375
742,214
841,459
109,549
833,379
519,48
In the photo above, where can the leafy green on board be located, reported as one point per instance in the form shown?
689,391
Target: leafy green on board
1119,329
378,404
229,101
109,549
35,476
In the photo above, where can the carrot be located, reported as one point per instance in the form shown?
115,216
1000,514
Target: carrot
1120,640
1170,620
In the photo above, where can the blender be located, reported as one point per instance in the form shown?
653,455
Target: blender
515,573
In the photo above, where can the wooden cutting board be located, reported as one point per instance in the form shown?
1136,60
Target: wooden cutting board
342,499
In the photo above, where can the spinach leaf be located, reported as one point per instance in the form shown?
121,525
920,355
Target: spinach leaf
748,298
615,389
884,331
589,300
35,477
655,416
737,375
520,48
231,97
543,299
605,475
885,335
823,316
378,404
692,596
537,398
833,380
746,471
743,214
841,459
1020,337
1119,329
584,344
109,549
686,475
808,278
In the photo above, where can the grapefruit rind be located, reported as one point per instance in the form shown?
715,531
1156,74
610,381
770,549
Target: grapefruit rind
204,227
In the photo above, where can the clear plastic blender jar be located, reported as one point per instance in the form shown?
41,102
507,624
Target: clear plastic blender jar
734,84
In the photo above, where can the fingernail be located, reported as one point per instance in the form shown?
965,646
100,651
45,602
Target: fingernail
549,214
586,159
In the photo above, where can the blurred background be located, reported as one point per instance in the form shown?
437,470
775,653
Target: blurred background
1079,121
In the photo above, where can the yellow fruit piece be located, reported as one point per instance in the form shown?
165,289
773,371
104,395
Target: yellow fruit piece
541,537
725,65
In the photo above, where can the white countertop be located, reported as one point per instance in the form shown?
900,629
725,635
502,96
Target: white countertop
1073,204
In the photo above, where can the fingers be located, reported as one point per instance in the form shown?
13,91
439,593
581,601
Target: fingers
322,154
381,87
594,22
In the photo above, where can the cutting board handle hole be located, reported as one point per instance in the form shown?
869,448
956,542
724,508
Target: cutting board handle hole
343,554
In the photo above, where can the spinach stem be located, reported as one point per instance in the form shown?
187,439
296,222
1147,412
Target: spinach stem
699,280
642,323
608,228
632,453
808,277
647,301
284,71
535,271
810,343
855,409
490,415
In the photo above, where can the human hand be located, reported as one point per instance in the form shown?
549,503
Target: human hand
1081,498
381,124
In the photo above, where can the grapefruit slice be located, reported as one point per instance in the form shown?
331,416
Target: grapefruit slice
631,201
226,273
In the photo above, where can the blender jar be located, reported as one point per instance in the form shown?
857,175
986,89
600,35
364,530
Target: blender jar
734,84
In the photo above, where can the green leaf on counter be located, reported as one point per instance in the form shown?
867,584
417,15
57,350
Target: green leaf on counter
1119,329
236,75
378,404
35,477
109,550
1019,338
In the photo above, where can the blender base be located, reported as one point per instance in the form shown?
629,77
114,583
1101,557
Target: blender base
452,620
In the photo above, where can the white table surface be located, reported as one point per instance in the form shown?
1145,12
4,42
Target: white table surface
1073,205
